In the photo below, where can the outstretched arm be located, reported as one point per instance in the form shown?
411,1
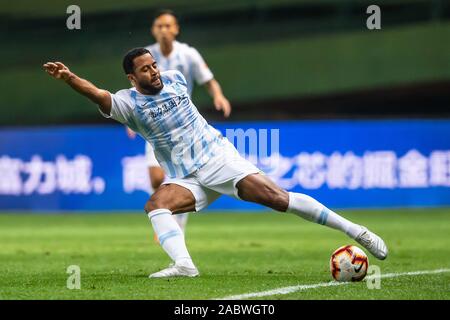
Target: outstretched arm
220,102
100,97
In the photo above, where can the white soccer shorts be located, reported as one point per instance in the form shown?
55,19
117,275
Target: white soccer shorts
218,176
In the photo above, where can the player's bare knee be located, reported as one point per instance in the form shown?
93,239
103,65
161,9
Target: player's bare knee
149,206
153,204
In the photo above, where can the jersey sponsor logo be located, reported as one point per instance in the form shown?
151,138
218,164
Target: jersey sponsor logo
163,109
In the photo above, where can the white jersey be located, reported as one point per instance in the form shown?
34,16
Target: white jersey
182,139
185,59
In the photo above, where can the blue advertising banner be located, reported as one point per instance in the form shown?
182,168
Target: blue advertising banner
342,163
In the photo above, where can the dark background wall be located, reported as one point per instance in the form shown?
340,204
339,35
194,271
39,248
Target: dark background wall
275,59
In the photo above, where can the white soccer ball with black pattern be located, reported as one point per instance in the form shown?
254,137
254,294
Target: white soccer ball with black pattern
349,263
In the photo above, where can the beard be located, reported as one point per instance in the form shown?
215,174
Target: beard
150,88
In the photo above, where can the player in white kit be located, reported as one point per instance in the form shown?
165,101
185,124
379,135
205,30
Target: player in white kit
173,55
201,163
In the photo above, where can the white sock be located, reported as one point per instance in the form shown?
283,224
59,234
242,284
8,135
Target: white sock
170,236
310,209
181,219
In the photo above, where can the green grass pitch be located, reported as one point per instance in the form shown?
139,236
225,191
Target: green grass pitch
235,253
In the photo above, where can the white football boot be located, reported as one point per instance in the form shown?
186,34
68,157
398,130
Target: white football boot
175,271
373,243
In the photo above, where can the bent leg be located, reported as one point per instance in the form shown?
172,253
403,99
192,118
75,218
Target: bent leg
168,199
174,197
157,176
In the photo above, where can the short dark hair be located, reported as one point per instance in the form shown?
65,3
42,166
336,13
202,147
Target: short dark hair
162,12
128,60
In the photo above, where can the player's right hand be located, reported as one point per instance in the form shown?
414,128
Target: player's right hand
57,70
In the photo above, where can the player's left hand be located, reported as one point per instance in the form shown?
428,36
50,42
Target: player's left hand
221,103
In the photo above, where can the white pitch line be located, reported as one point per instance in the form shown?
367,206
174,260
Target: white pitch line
287,290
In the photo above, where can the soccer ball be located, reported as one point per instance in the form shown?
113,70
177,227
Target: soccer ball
349,263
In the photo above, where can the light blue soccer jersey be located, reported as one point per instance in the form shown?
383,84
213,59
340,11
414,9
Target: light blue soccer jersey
182,139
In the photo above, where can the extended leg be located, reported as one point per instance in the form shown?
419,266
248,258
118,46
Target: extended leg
260,189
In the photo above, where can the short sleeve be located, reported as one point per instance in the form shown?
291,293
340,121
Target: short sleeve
200,69
121,107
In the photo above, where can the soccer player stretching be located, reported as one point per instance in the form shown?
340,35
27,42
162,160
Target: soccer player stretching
173,55
200,162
